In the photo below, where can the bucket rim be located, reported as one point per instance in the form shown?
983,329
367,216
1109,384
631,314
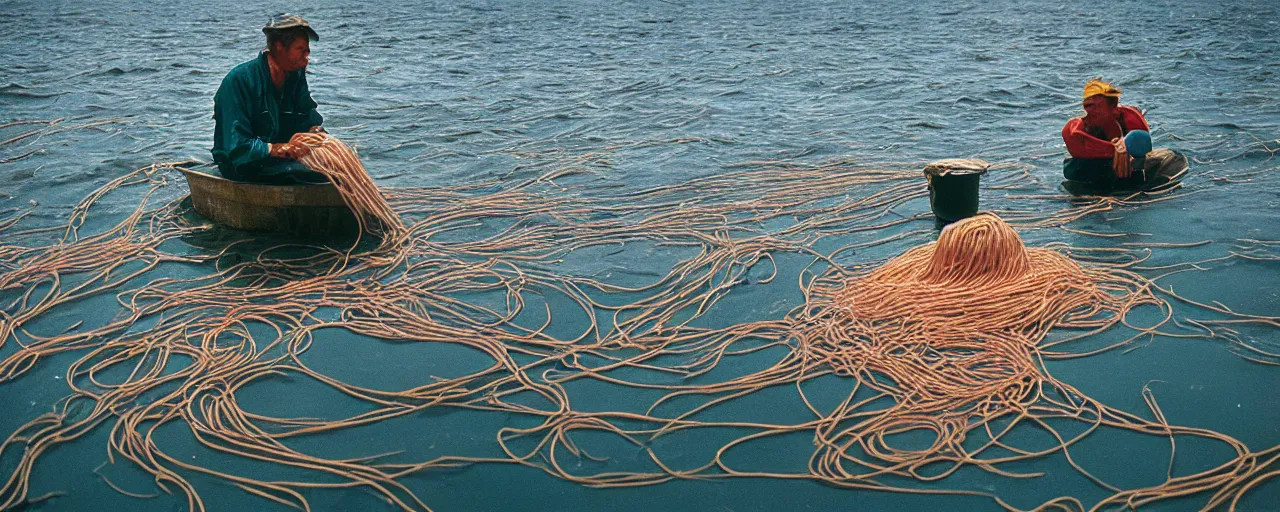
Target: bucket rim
957,167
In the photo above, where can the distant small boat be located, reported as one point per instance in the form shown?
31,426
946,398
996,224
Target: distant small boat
304,210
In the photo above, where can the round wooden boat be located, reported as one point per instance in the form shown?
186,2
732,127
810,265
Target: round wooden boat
1164,171
303,210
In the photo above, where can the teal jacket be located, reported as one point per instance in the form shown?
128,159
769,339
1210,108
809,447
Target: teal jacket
249,112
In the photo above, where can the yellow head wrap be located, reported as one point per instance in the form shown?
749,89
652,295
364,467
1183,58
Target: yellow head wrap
1097,86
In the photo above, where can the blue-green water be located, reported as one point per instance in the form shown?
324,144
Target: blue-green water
445,93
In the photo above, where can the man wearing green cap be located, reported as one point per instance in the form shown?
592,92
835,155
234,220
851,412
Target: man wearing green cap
262,104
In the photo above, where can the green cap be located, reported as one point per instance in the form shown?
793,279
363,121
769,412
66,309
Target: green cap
283,20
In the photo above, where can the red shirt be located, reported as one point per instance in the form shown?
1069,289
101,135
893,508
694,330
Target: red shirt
1082,145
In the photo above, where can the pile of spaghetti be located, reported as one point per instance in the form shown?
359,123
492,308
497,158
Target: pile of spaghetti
958,321
951,334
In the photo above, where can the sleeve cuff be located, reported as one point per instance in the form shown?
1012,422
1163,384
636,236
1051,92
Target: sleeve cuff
260,150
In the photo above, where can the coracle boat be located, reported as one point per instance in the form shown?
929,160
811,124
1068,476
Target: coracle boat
1163,172
303,210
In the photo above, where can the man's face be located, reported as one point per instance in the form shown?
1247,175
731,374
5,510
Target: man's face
1097,107
294,56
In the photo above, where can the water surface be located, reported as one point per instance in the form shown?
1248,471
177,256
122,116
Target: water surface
642,94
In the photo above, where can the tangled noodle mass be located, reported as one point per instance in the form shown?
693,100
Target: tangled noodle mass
946,342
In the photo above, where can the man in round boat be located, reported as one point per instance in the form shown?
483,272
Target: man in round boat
1109,143
263,104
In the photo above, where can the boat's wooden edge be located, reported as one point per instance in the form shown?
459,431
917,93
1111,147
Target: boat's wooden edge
204,184
307,210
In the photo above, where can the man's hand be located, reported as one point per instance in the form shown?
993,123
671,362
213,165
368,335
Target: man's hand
299,143
297,151
317,129
1118,142
301,138
290,150
1120,162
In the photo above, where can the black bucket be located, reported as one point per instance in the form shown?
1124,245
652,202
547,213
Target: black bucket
953,188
